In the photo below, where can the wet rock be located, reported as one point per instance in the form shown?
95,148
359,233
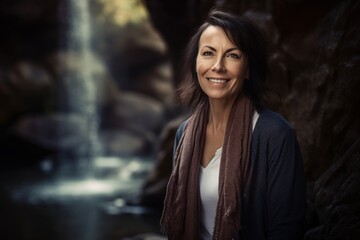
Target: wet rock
59,132
154,188
24,87
124,143
157,83
134,111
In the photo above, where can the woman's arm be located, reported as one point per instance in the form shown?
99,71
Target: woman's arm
286,198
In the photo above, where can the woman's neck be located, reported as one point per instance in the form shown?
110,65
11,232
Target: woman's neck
219,114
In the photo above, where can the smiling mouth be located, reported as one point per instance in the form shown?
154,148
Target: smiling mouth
217,80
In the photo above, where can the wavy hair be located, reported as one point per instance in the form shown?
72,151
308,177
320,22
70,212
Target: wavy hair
248,38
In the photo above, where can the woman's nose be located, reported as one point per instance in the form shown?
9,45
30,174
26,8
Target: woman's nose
218,65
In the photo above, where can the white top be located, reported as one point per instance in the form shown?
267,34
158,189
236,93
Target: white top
209,196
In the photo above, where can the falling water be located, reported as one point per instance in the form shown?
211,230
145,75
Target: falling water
86,173
81,89
100,184
80,85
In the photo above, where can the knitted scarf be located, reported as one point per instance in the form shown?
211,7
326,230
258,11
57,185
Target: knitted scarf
181,216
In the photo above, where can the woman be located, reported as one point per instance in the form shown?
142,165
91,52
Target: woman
238,170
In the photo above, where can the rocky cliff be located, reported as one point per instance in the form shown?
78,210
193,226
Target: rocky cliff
314,64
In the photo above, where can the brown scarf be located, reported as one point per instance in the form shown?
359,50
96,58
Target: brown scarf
181,217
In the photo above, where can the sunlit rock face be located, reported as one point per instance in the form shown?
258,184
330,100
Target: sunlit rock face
314,63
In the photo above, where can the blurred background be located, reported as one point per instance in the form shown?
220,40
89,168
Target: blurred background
88,110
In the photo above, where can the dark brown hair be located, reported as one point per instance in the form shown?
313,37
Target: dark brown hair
246,36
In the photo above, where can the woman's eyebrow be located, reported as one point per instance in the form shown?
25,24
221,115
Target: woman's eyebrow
228,50
211,48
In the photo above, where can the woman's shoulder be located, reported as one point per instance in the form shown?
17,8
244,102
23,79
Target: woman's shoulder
182,126
180,130
273,123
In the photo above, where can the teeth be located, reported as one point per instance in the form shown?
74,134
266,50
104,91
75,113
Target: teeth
216,80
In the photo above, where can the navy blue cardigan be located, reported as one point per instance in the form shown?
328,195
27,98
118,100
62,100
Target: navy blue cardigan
274,195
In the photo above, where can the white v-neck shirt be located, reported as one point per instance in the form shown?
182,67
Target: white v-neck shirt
209,196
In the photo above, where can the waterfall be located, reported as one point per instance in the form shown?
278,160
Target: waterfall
82,170
81,86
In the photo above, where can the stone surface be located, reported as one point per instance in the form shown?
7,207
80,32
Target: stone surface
314,75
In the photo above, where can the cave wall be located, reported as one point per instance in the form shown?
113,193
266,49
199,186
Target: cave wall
314,67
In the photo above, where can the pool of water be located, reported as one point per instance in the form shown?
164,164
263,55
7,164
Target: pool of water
35,205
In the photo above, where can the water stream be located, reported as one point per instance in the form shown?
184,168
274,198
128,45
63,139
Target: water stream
85,173
85,196
81,85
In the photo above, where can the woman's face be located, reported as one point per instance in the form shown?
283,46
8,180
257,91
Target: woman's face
220,65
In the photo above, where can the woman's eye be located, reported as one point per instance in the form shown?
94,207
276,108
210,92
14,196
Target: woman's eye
207,53
234,55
